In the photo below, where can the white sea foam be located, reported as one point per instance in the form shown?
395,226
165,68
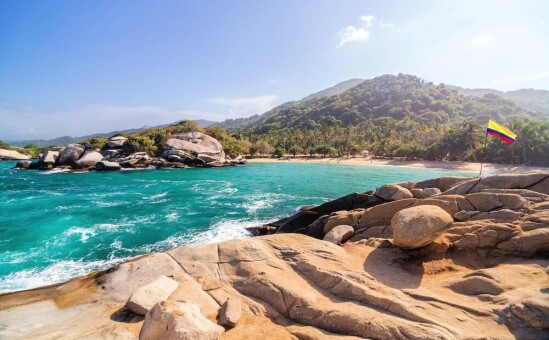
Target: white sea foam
109,204
55,273
172,217
86,232
262,201
54,171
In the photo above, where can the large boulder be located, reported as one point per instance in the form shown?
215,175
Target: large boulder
178,320
486,201
70,154
393,192
536,182
144,298
117,142
49,157
418,226
199,144
230,313
339,234
23,164
107,166
12,155
88,160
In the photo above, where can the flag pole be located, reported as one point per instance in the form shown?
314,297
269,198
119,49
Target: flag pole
483,154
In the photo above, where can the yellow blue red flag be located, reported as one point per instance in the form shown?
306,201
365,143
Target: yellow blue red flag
501,132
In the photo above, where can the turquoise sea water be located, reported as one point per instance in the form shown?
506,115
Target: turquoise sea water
55,226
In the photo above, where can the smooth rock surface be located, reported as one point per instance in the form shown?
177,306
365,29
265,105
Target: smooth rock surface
393,192
339,234
107,166
70,154
418,226
178,320
117,142
144,298
12,155
230,312
88,160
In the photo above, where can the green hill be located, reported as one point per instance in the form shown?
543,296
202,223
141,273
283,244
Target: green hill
399,97
529,99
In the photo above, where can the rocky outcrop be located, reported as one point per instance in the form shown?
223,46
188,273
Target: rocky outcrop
11,155
49,157
339,234
107,166
178,320
70,154
230,312
199,145
117,142
182,151
393,192
144,298
88,160
419,226
479,276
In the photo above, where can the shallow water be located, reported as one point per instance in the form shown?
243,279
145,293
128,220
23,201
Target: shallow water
55,226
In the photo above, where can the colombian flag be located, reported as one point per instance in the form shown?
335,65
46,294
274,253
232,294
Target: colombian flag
501,132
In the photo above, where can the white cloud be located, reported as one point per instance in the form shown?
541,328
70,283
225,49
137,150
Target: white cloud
248,105
353,34
481,40
368,19
18,123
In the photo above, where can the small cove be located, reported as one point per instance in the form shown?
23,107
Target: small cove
55,226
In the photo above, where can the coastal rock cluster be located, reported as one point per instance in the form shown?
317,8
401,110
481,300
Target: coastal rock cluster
193,149
449,258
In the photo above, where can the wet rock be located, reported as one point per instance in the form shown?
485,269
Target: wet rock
418,226
23,165
178,320
144,298
339,234
107,166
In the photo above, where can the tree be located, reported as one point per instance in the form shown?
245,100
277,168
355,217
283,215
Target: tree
294,150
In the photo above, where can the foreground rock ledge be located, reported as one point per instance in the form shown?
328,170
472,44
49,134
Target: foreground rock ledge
482,277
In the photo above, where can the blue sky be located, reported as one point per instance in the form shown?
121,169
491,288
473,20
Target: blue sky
79,67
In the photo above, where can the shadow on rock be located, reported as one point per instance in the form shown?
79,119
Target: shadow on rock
394,268
126,315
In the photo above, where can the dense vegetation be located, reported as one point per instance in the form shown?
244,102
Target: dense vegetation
391,116
402,116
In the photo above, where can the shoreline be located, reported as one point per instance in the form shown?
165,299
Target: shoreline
488,168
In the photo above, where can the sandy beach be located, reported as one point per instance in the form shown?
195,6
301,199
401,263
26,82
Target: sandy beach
488,168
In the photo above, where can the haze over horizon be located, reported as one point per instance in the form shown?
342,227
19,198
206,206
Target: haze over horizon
76,68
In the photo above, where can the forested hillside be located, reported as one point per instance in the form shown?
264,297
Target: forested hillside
402,116
530,99
398,97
